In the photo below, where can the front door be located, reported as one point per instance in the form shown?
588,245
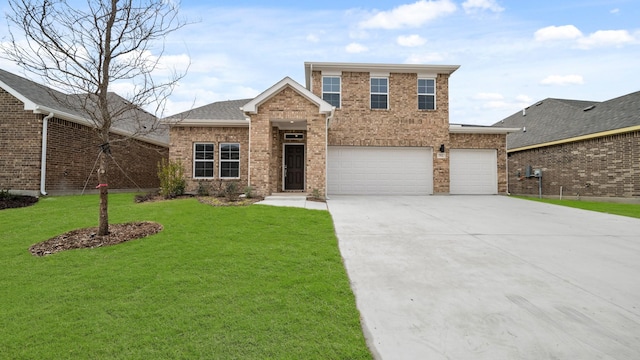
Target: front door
293,167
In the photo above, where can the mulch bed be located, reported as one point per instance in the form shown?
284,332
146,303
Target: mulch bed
88,238
16,201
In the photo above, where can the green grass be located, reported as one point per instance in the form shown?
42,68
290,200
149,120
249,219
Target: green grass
253,282
631,210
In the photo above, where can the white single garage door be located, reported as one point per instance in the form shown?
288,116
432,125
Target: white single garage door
359,170
473,171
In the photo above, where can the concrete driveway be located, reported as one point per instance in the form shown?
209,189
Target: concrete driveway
491,277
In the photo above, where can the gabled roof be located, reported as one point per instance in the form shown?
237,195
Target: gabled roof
252,106
44,100
226,113
552,121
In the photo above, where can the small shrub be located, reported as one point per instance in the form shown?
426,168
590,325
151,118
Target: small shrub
231,191
203,188
6,195
172,181
316,194
248,192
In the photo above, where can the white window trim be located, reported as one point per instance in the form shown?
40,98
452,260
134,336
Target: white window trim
196,160
435,91
220,160
332,92
372,93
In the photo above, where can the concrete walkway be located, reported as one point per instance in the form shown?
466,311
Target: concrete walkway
293,201
491,277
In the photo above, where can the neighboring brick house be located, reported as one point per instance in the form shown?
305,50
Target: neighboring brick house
582,148
354,129
71,145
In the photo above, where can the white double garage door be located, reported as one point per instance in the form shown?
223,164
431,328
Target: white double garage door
355,170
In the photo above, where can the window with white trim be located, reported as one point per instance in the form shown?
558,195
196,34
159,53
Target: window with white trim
379,93
426,94
203,160
331,90
229,160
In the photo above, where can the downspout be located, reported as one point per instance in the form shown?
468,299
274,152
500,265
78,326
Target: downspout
249,156
43,161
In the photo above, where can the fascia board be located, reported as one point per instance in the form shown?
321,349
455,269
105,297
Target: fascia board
28,104
457,129
207,123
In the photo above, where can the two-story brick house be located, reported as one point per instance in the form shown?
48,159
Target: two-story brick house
353,129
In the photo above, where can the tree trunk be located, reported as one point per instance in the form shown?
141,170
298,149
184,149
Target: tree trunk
103,182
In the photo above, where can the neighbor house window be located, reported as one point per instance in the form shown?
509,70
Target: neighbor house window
379,93
229,160
331,90
426,94
203,160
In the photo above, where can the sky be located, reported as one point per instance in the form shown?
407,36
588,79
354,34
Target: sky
512,54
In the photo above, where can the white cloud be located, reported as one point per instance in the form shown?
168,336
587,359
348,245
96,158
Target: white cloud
425,58
472,6
312,38
410,15
355,48
411,40
606,38
565,32
614,11
563,80
524,99
488,96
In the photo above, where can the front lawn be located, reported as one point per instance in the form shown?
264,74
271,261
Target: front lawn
253,282
631,210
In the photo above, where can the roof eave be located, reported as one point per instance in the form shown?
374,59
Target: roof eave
252,106
459,129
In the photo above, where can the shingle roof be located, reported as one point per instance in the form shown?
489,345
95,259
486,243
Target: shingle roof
133,120
221,110
558,119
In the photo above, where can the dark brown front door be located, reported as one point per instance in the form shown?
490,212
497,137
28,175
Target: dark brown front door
294,167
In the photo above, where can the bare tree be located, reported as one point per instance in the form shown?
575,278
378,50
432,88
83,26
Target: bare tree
84,51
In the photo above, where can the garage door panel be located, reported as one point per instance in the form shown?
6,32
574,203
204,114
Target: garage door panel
473,171
379,170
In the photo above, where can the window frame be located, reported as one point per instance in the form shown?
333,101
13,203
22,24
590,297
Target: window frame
372,93
339,92
221,160
204,160
427,94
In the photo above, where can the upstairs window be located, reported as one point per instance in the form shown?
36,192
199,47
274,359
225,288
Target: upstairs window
203,160
379,93
426,94
331,90
230,160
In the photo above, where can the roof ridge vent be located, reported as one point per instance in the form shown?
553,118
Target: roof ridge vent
590,107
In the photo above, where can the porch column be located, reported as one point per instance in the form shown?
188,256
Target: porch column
317,154
260,154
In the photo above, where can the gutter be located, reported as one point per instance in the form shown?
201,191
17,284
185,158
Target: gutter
43,159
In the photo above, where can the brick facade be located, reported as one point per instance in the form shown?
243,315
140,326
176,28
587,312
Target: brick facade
267,140
20,145
71,153
181,149
608,166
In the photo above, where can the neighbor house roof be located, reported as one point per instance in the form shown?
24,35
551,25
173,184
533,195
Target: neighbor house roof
221,113
552,121
44,100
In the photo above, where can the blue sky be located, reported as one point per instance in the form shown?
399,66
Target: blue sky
512,53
